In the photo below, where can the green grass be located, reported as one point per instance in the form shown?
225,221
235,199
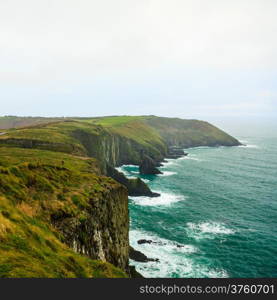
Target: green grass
30,193
17,122
11,156
113,121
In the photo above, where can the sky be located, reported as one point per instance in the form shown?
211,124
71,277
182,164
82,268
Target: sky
213,60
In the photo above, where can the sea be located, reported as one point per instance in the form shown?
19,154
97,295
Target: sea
217,213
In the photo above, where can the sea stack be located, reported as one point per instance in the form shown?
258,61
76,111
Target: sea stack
148,166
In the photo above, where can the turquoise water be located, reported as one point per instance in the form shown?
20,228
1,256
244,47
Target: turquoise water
219,205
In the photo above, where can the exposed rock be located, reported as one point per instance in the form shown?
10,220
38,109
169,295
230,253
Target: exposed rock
136,187
150,242
175,152
134,273
139,256
106,227
145,242
148,166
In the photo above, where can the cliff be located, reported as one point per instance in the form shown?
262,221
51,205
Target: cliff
59,219
64,206
190,133
118,140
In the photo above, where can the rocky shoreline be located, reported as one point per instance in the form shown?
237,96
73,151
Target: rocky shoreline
148,167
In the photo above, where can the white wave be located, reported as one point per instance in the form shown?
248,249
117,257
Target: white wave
122,170
167,173
244,141
168,163
145,180
131,166
194,158
172,259
166,199
248,146
199,147
183,157
207,229
129,174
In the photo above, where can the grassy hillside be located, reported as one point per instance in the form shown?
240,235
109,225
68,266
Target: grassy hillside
17,122
148,131
120,143
32,193
189,133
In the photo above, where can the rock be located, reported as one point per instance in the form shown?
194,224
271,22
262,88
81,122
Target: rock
134,273
150,242
103,232
145,242
139,256
148,166
153,194
136,187
158,165
175,152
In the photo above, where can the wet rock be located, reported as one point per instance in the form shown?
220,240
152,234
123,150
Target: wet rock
145,242
134,273
148,166
136,187
175,152
150,242
139,256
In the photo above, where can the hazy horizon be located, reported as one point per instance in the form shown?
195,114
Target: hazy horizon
210,60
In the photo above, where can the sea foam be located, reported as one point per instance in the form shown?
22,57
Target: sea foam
249,146
174,258
165,199
127,173
207,230
168,173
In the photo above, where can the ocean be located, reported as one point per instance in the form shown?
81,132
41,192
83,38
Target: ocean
216,216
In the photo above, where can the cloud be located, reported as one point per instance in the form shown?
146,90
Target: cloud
88,36
55,48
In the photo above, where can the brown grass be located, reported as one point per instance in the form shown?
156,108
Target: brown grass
5,227
28,210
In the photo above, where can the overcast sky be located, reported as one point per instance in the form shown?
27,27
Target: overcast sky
187,58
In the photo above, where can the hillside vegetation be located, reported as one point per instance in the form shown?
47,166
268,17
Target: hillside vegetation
37,190
17,122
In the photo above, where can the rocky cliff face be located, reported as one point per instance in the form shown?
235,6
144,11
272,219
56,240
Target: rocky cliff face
148,166
115,149
103,232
